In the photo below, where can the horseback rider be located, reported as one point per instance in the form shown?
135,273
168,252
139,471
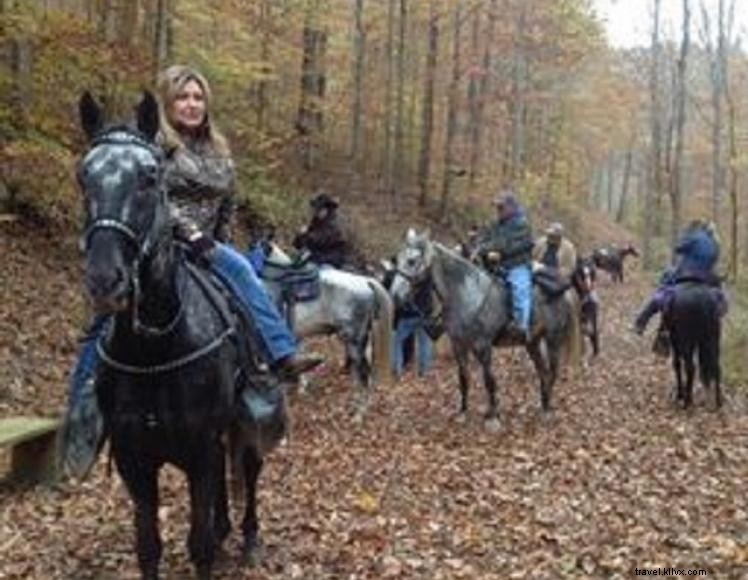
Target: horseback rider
506,247
556,252
696,257
326,238
199,179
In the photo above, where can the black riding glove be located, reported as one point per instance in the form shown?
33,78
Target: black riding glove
199,246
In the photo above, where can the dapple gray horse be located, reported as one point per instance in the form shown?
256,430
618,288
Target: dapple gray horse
476,317
355,308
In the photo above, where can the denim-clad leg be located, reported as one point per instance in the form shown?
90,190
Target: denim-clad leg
88,359
520,280
405,328
239,276
425,350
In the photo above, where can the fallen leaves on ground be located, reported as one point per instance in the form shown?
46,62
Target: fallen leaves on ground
619,479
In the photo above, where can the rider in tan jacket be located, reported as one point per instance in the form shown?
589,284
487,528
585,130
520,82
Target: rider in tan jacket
555,251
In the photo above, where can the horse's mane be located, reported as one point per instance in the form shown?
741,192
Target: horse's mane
460,266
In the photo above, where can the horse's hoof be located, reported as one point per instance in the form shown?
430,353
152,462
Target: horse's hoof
461,418
252,553
493,425
548,417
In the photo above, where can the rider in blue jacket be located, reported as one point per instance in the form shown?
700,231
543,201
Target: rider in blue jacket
507,245
696,257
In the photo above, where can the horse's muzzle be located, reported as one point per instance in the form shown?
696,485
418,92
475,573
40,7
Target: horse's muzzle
109,291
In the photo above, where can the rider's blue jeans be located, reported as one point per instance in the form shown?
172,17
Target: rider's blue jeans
520,281
237,273
407,327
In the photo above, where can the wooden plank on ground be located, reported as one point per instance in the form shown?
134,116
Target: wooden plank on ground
16,429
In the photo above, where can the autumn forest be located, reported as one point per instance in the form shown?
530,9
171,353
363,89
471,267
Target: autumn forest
412,113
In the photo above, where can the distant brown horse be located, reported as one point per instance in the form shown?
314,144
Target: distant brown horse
611,260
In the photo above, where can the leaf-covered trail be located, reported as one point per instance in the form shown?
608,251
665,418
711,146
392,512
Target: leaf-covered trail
619,480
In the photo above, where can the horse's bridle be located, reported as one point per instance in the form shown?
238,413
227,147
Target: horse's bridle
122,135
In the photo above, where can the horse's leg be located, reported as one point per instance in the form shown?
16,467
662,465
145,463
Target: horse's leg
461,356
690,374
221,519
483,354
554,358
356,349
595,334
717,373
677,368
252,547
201,541
535,350
142,484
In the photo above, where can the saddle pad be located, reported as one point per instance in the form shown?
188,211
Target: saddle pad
299,283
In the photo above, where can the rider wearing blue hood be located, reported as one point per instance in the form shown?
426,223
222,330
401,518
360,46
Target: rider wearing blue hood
507,245
696,257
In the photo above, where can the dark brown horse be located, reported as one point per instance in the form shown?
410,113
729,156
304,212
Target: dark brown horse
583,281
693,322
611,260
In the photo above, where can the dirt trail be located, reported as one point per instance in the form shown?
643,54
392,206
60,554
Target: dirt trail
620,480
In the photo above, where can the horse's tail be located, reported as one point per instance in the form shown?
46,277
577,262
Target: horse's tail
381,332
572,343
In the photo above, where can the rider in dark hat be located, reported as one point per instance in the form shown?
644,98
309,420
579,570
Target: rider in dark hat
325,238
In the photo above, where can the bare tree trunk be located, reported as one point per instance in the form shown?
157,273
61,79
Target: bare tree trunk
21,87
400,106
518,100
654,189
128,22
474,97
161,37
607,204
359,48
453,94
727,36
427,124
733,189
625,187
716,69
264,23
309,123
676,192
387,168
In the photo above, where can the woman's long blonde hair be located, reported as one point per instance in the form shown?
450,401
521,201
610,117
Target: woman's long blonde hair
170,83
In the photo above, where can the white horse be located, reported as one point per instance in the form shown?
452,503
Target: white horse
353,307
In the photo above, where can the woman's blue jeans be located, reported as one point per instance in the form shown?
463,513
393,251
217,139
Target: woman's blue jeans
240,278
237,273
407,327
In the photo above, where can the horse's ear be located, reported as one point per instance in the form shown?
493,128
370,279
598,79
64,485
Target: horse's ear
426,235
411,237
148,115
91,116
